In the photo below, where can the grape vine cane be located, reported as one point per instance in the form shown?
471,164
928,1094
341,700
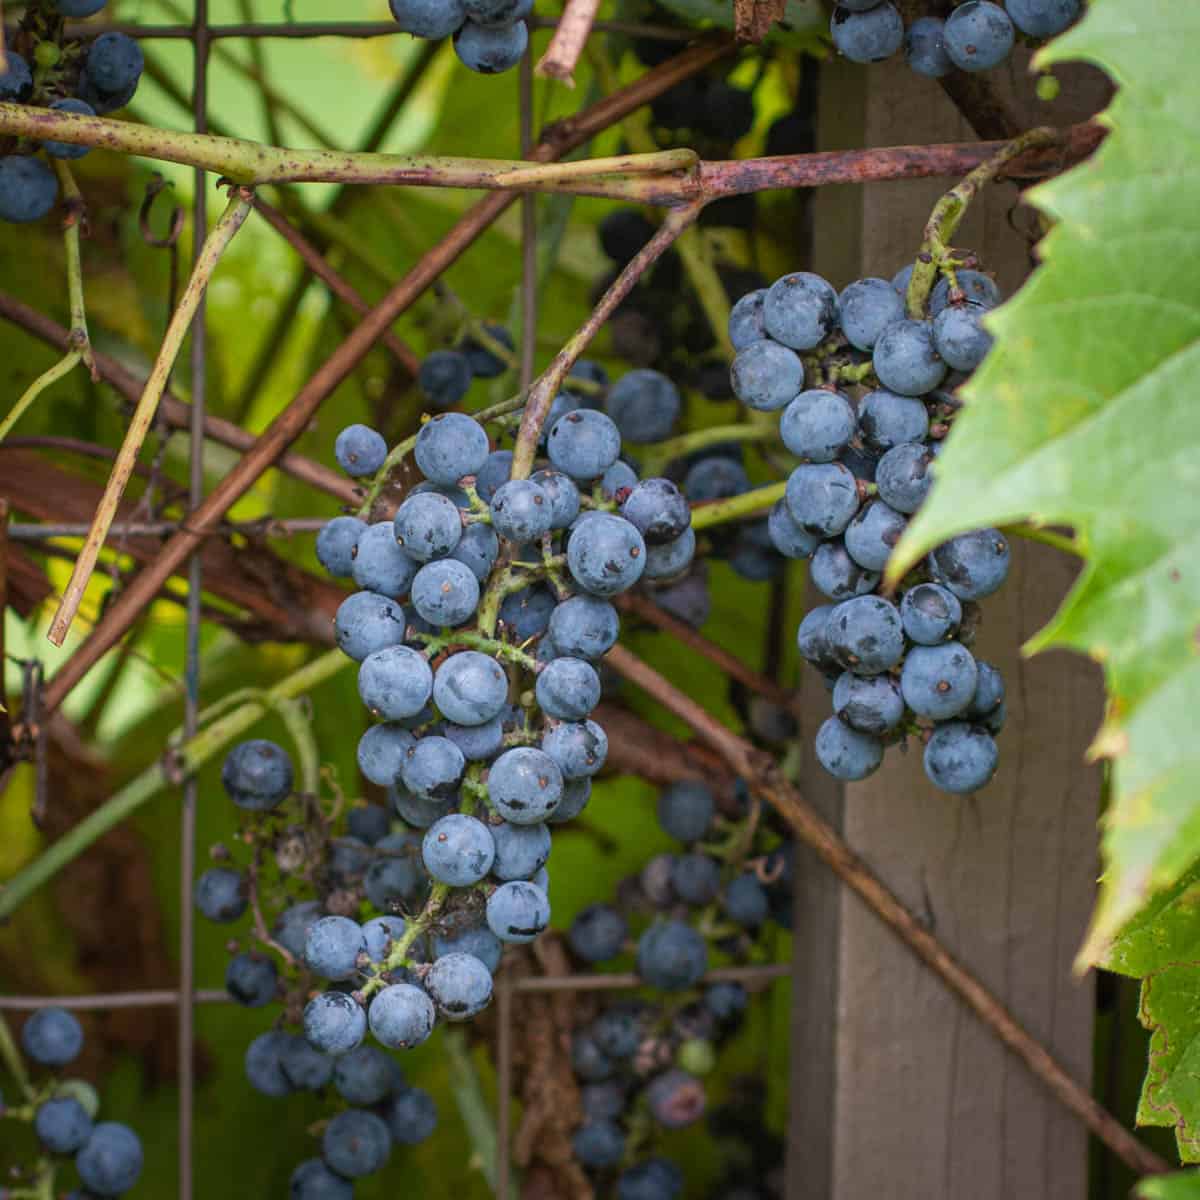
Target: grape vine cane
676,180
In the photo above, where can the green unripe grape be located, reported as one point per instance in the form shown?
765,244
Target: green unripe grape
82,1092
697,1056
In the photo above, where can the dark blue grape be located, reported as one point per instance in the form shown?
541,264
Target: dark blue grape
251,980
766,376
578,747
395,682
336,543
313,1180
460,985
822,497
356,1143
888,420
379,933
257,775
672,956
485,363
576,794
477,549
401,1016
366,622
812,638
332,947
644,406
489,50
69,105
939,681
470,688
960,757
521,850
517,912
433,769
618,481
598,1144
873,534
588,1061
444,377
306,1069
222,894
606,555
16,80
28,188
561,494
584,627
800,310
411,1116
903,476
598,933
521,511
264,1064
110,1161
61,1124
836,575
930,614
1043,18
867,37
905,359
746,319
972,565
584,444
433,19
371,822
846,753
568,688
604,1100
746,901
449,447
870,704
818,425
866,308
478,743
676,1099
925,48
428,526
529,612
657,509
726,1000
788,538
382,751
686,809
497,469
114,63
989,691
525,785
478,941
978,35
696,878
399,877
715,478
458,850
334,1022
360,450
959,336
348,860
380,563
418,811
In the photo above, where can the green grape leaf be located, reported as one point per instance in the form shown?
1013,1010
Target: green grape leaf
1083,416
1183,1185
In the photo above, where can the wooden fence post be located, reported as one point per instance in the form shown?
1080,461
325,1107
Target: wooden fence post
898,1092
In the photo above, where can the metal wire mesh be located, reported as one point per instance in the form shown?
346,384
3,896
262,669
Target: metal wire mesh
187,996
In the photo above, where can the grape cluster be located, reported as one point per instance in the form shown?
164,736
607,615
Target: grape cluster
107,1154
489,35
976,36
641,1063
895,666
87,79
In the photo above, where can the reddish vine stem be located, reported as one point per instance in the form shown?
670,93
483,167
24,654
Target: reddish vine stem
545,387
644,607
173,411
558,139
762,775
570,36
316,262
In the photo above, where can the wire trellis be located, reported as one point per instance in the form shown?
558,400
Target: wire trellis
188,995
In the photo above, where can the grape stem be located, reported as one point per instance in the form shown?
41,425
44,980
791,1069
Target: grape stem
182,763
435,643
545,387
47,378
736,508
948,212
215,244
12,1059
78,337
657,456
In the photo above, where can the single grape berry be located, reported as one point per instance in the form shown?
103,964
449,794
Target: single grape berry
930,614
598,1144
766,376
401,1016
489,51
868,703
925,48
525,785
16,80
221,894
521,850
110,1161
644,406
584,444
445,593
356,1143
359,450
460,985
654,1179
836,575
606,554
972,565
568,688
1043,18
939,681
395,682
979,35
789,538
866,308
28,188
598,933
846,753
332,946
822,497
873,534
517,912
433,768
818,425
973,286
904,477
671,559
686,809
905,359
886,420
696,878
959,336
800,310
114,63
366,622
444,378
672,956
334,1022
676,1098
746,319
578,747
251,980
411,1116
257,775
428,526
313,1180
336,544
380,562
432,19
960,757
865,636
458,850
450,446
521,511
584,627
61,1125
869,36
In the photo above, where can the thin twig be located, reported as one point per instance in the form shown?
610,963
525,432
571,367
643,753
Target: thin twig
143,415
315,261
75,215
764,778
570,36
51,375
